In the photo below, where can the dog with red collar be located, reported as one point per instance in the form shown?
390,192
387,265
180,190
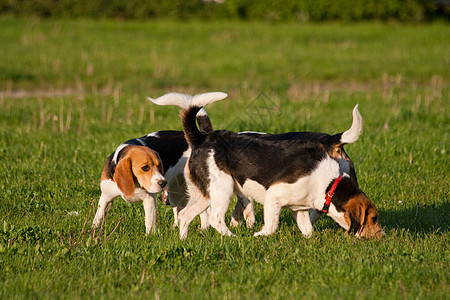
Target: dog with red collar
244,207
134,172
295,174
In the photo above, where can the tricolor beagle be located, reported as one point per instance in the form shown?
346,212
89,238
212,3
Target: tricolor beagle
135,174
335,149
296,174
137,162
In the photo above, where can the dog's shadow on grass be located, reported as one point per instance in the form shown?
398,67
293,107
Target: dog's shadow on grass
419,219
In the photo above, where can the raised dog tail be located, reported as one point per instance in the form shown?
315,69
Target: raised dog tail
192,110
351,135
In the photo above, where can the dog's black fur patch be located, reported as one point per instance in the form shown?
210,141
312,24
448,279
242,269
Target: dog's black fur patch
246,157
263,161
331,143
328,141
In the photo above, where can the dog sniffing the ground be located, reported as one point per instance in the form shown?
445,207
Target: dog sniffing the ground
295,174
244,207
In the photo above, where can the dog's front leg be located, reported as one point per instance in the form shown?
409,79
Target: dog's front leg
303,222
204,220
109,192
104,205
149,202
272,209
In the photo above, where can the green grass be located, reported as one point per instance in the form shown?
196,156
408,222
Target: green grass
71,91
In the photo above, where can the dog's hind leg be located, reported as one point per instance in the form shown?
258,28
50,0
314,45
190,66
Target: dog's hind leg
177,198
221,191
197,204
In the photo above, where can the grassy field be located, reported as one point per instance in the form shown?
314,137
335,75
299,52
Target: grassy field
72,91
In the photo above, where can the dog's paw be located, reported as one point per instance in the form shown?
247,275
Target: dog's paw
229,233
183,234
234,222
204,226
307,235
250,222
175,224
259,233
95,223
264,231
149,230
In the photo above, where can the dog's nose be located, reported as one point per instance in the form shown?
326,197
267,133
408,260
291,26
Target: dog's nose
162,183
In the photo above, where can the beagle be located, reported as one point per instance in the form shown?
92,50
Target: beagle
244,207
161,152
134,173
296,174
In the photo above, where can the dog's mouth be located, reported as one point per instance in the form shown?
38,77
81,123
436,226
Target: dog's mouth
379,233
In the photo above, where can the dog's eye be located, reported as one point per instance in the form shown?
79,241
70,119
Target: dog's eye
374,220
145,168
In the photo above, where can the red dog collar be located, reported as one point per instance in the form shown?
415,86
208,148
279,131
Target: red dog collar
330,194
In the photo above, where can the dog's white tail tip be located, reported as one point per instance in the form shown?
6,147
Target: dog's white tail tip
356,111
185,101
351,135
181,100
207,98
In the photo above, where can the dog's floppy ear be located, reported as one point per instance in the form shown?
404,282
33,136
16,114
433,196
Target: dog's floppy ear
124,178
356,214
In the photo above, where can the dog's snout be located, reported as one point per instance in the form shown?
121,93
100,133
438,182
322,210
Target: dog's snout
162,183
380,234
